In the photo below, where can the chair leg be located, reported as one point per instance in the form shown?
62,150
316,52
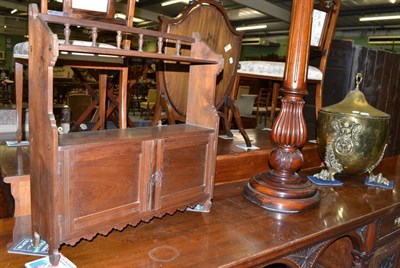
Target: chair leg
19,81
275,93
236,114
265,119
224,115
318,98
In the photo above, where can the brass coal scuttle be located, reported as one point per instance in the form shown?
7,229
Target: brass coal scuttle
352,138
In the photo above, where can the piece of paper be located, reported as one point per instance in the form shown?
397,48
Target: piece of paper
16,144
25,246
45,262
226,137
244,146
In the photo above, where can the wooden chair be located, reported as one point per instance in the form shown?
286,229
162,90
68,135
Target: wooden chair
104,10
172,80
323,27
263,106
245,104
148,105
243,90
78,102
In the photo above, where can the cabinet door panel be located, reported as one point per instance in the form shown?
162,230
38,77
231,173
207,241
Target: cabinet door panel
101,187
184,169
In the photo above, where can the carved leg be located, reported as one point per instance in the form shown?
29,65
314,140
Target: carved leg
55,254
36,239
55,257
360,259
236,114
225,120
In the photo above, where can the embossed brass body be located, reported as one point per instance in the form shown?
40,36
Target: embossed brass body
352,135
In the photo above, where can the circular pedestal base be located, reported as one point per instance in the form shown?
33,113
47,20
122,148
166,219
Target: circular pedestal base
268,193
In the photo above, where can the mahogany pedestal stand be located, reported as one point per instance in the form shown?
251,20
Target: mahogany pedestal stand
281,189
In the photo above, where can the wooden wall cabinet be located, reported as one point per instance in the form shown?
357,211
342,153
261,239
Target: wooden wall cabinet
87,183
108,181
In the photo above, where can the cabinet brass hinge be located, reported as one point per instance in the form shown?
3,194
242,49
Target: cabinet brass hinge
155,183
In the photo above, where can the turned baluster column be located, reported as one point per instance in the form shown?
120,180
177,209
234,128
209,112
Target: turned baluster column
282,189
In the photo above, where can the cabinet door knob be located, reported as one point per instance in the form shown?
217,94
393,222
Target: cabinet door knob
397,221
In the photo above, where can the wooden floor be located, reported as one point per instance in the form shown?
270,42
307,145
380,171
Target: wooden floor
233,163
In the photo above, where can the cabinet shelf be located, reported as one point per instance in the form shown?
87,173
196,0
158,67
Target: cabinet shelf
115,136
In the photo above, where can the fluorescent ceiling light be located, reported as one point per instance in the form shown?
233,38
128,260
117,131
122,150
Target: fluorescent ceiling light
171,2
384,40
13,11
383,17
137,20
244,13
120,16
252,27
123,17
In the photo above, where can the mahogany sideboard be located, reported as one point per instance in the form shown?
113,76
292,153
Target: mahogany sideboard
354,226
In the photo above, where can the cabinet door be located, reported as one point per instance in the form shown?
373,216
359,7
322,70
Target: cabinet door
387,256
101,187
181,174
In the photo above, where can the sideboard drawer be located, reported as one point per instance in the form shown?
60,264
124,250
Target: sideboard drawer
390,225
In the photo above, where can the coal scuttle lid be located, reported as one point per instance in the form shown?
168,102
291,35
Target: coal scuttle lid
355,104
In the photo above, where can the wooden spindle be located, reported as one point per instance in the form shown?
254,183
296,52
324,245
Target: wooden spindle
178,47
67,33
140,41
160,45
94,36
119,39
